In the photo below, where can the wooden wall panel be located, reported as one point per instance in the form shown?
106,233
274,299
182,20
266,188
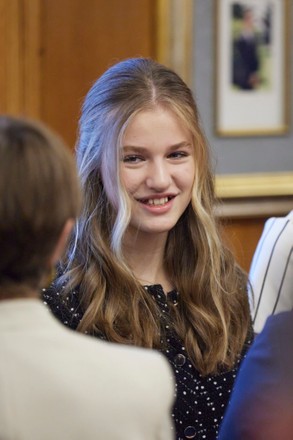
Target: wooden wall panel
242,236
3,43
32,53
11,53
52,50
80,39
243,221
20,57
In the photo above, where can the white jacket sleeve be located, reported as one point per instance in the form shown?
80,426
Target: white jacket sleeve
271,272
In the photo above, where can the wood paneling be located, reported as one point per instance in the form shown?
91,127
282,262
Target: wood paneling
242,236
32,53
53,50
11,65
243,220
80,39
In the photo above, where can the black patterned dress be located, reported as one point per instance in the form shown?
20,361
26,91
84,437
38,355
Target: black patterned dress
200,400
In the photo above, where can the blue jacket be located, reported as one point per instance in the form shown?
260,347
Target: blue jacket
261,406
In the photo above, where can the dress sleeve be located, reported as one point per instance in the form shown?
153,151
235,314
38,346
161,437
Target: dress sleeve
66,308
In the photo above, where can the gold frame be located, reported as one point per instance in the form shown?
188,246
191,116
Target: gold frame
282,129
174,35
228,186
254,185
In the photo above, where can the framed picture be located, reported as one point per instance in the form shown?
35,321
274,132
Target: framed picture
252,71
175,47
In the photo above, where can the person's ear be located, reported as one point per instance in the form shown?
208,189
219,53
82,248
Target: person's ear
62,241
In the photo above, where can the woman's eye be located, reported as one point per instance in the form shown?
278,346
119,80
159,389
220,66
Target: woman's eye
132,158
178,154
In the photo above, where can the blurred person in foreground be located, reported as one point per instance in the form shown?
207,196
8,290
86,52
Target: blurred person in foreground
261,406
55,383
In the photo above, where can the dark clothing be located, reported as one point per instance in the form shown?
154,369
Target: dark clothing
261,406
245,62
200,401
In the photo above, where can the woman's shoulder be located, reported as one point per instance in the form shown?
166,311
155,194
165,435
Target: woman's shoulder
65,306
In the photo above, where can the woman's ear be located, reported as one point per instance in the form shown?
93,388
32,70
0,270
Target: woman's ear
62,241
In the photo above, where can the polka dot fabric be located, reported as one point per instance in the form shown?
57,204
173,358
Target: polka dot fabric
200,402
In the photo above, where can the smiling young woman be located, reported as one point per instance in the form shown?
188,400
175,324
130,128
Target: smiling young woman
157,171
146,265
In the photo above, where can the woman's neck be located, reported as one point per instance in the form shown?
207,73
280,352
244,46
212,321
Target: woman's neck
145,256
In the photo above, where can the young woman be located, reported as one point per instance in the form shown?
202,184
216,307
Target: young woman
146,265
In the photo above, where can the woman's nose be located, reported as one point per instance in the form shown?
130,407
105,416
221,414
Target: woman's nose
159,177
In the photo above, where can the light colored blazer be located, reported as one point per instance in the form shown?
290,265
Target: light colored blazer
271,272
57,384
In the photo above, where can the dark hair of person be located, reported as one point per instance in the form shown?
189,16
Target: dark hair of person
39,192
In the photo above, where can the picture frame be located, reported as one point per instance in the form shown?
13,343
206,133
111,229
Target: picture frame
251,67
175,46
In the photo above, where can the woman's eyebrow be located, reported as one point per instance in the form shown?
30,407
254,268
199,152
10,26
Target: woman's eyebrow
183,144
127,148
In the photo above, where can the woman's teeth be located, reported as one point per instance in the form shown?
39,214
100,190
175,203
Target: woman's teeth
157,202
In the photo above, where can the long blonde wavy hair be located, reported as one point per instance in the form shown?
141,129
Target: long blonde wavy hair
212,317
